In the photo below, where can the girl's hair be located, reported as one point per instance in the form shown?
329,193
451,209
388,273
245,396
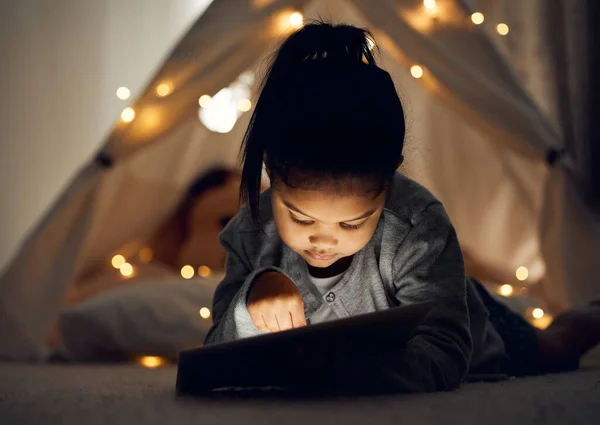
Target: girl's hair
327,117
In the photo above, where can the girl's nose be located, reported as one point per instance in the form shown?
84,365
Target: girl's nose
323,242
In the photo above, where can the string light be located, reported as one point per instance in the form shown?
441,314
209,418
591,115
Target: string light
187,272
204,100
416,71
163,89
128,114
123,93
204,271
537,313
117,261
502,29
204,313
506,290
145,255
429,4
296,19
244,105
151,362
126,270
522,273
477,18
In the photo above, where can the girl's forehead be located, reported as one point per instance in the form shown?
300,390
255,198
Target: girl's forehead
327,205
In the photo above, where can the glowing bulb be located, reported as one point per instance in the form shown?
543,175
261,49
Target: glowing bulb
145,255
522,273
151,361
502,29
204,100
477,18
123,93
204,271
506,290
416,71
187,272
296,19
126,269
163,90
204,313
128,114
429,4
244,105
537,313
117,261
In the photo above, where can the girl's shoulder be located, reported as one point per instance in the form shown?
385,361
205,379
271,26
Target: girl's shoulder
243,221
408,199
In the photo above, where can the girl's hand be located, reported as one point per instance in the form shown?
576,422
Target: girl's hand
275,304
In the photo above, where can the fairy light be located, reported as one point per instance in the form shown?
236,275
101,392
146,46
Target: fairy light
204,271
244,105
522,273
429,4
477,18
128,114
416,71
502,29
164,89
151,362
204,100
117,261
123,93
126,270
187,272
296,19
204,313
537,313
506,290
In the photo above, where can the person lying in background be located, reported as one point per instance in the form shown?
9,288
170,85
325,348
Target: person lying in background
188,236
342,233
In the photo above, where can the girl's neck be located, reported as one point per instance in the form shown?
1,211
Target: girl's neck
335,269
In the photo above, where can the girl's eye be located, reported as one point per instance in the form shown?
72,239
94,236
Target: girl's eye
352,226
301,222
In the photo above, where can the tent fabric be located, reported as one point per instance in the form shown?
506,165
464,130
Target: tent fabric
476,137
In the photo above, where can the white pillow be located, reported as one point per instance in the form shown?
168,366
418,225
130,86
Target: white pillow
151,318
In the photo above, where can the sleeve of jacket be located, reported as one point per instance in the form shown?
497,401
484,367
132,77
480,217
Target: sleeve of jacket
231,319
428,266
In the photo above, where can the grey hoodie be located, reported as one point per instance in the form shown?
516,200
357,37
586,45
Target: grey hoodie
413,256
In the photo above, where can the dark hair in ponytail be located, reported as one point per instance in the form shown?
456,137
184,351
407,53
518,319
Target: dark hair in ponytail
327,116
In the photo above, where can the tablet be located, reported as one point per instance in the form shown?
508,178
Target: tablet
289,358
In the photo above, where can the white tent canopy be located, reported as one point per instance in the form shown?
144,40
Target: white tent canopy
478,137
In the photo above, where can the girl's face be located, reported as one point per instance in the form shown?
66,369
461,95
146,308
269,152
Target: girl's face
324,227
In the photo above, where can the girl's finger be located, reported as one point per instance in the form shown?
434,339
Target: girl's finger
258,321
271,322
284,320
298,317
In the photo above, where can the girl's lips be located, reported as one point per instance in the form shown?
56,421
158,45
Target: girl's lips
320,256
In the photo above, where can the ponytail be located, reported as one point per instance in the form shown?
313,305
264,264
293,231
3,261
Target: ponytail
303,106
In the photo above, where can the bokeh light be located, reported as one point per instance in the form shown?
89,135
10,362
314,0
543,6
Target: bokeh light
187,272
477,18
416,71
117,261
204,313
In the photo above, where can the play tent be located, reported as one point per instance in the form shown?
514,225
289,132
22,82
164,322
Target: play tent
485,134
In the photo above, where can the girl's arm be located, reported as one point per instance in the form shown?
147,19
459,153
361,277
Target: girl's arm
231,319
428,266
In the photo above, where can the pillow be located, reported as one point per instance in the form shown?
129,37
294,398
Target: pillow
154,318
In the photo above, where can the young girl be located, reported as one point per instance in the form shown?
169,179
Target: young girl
342,233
